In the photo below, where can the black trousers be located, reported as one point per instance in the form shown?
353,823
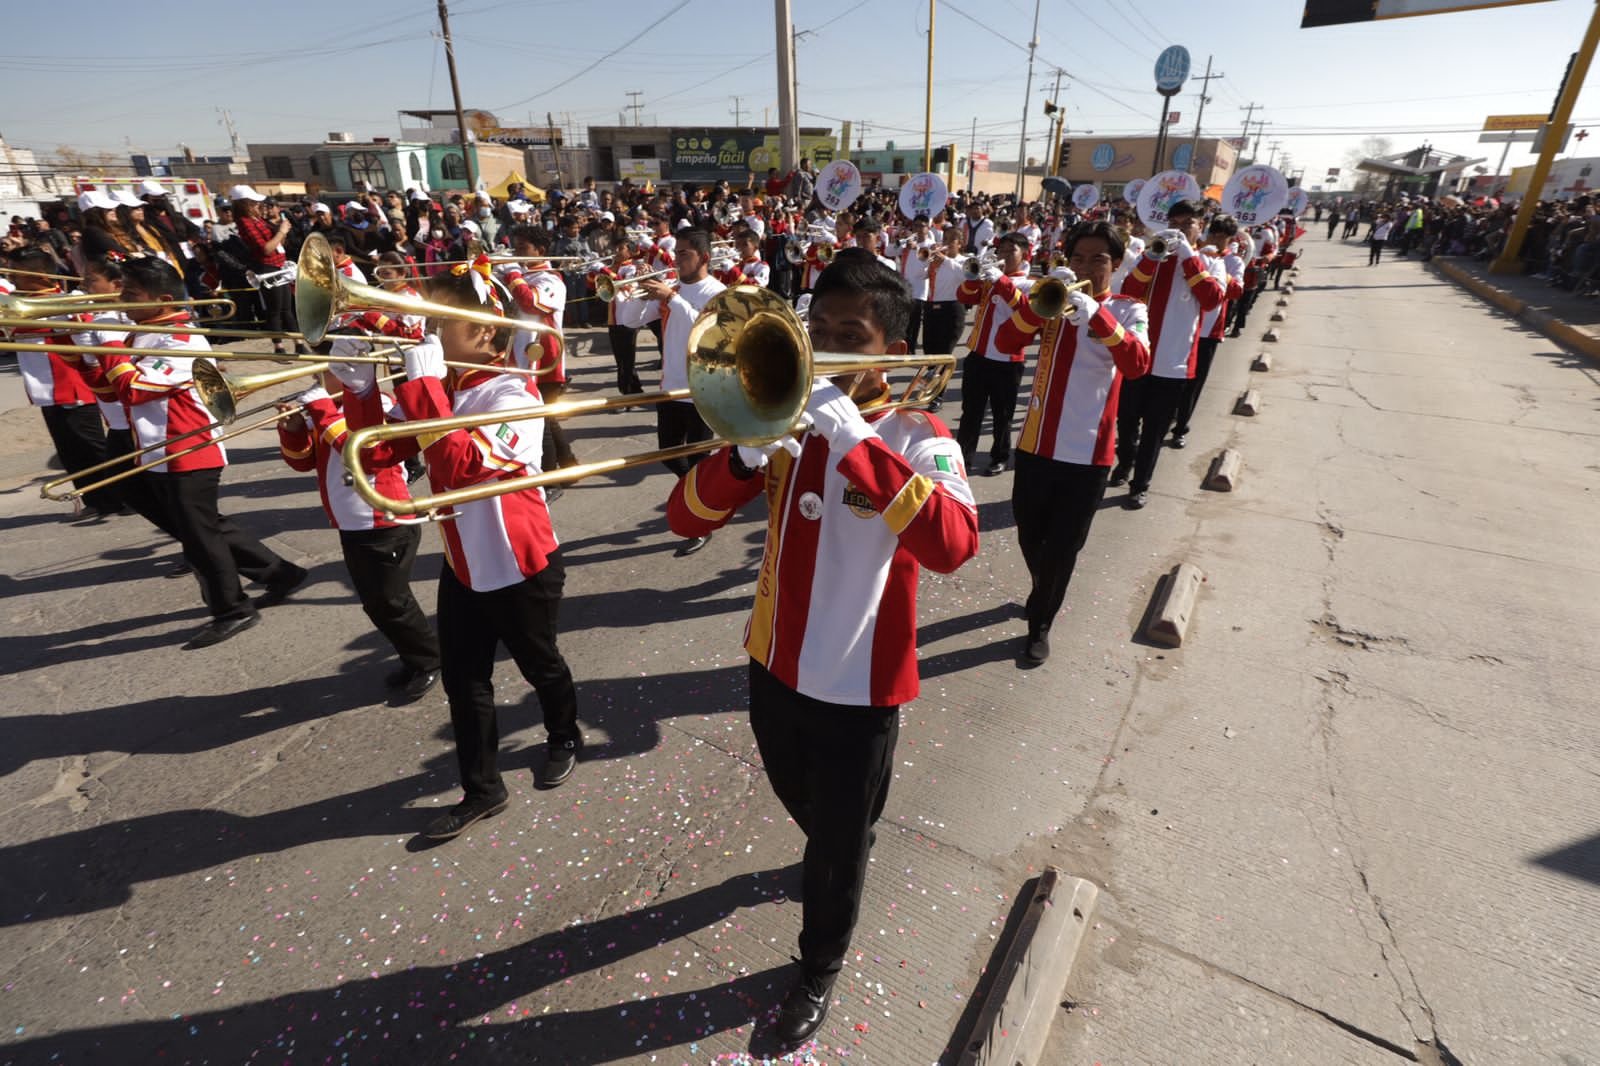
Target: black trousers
919,309
278,309
1054,504
677,422
1333,224
1375,253
1242,306
988,383
1191,395
472,626
1144,413
79,435
557,449
219,551
625,349
940,324
379,561
136,490
1350,229
830,766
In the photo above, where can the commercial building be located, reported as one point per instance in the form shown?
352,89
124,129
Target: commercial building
699,154
1112,162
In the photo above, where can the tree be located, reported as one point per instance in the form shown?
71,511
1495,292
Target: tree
77,161
1367,185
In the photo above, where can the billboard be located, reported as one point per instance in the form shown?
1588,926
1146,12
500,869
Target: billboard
1501,123
717,154
980,162
1339,12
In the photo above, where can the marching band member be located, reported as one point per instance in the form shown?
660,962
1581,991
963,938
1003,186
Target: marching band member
503,573
942,320
1177,289
914,268
752,270
868,233
677,421
1068,438
1228,268
624,339
1255,277
378,552
540,294
992,371
54,385
832,636
156,381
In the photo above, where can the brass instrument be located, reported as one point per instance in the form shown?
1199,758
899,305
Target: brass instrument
1158,248
974,264
751,369
57,304
144,327
322,294
610,289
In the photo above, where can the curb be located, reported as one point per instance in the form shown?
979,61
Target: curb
1543,321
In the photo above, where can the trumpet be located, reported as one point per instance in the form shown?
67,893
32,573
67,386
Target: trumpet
1157,249
726,212
751,368
974,264
610,289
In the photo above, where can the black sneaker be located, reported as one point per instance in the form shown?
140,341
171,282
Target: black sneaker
692,545
418,685
282,586
1137,500
1180,440
804,1010
558,763
1119,475
1036,648
220,629
457,819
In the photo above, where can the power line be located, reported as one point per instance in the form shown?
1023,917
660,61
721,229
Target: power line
615,51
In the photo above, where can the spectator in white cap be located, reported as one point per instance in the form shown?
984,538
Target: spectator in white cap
102,229
244,192
149,187
263,240
146,240
174,230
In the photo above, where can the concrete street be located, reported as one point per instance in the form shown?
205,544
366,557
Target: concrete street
1352,820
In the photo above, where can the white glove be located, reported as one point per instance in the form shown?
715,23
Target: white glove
989,274
1180,247
1169,235
425,360
312,395
1064,274
836,417
756,458
1083,306
504,271
357,377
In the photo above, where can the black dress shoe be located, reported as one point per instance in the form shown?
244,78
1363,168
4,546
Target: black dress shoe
220,629
558,764
803,1011
457,819
1119,475
1180,440
282,586
995,470
1137,500
418,685
181,568
1036,648
692,545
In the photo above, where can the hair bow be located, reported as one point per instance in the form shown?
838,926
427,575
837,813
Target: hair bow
481,272
114,256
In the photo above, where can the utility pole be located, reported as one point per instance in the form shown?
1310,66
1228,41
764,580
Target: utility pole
788,113
1057,123
455,90
736,111
1027,103
1248,113
239,153
1261,126
1272,154
555,148
1205,84
972,151
633,104
927,114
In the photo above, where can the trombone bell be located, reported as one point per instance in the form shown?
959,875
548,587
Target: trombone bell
221,392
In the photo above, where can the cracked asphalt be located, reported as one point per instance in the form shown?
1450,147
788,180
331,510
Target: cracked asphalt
1352,820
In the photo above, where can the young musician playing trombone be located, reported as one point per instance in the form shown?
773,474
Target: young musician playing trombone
504,575
675,306
1068,436
156,382
856,505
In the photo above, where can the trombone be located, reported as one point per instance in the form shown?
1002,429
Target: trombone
751,368
32,307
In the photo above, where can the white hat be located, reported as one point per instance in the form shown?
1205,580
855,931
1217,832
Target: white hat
684,223
608,216
123,196
417,195
95,198
471,227
519,207
147,187
484,196
244,192
321,209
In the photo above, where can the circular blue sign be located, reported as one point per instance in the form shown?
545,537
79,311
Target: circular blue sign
1172,69
1182,157
1104,156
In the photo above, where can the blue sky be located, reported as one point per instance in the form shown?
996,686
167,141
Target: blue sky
295,69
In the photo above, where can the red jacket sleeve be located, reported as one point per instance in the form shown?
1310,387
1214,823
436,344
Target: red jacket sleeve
970,292
132,387
1129,349
938,528
365,410
1208,291
708,495
296,444
1137,283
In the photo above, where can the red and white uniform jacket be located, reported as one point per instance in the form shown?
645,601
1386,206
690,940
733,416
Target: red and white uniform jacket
540,295
100,331
913,267
748,272
49,377
1228,269
1072,408
835,615
1176,289
615,273
315,441
497,542
382,324
814,266
664,255
676,315
156,382
994,334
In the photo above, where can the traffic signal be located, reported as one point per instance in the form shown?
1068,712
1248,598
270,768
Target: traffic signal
1050,108
941,156
1066,156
